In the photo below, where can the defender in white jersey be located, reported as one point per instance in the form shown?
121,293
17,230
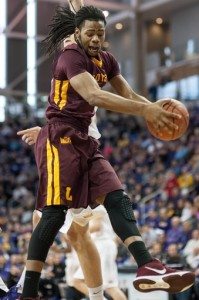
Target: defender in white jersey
104,238
3,288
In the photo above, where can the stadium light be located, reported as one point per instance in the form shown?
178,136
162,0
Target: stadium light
159,21
3,56
31,52
118,26
106,13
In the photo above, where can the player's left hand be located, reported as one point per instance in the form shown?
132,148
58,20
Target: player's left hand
29,136
160,118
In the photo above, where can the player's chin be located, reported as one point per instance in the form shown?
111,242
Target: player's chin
93,52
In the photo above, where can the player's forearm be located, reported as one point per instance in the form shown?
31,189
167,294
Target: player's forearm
122,87
136,97
130,94
117,103
75,5
87,87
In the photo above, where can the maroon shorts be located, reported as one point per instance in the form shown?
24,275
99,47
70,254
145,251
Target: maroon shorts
72,171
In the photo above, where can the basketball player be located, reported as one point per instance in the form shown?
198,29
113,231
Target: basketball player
78,234
72,171
3,288
104,238
79,237
76,228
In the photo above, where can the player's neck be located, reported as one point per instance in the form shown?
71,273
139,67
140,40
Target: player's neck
97,61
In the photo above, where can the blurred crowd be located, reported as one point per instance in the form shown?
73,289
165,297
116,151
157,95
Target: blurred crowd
161,178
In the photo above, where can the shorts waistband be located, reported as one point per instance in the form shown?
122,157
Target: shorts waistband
70,123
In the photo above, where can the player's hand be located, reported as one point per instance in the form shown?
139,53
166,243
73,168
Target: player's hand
159,117
29,136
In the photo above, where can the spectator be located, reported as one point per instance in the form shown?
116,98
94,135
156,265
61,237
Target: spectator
191,250
175,260
156,251
174,234
149,235
163,220
18,173
186,233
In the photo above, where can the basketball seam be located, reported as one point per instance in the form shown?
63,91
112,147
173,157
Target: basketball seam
186,122
167,108
174,130
173,106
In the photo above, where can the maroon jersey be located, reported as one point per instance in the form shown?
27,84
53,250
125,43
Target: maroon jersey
65,104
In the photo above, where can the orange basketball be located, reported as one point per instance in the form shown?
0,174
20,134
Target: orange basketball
176,107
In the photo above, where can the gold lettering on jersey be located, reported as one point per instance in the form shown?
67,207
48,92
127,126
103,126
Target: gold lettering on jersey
100,77
69,196
65,140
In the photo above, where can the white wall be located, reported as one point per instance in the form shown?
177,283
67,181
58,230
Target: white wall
184,26
123,47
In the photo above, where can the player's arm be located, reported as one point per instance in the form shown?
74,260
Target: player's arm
122,87
85,85
75,5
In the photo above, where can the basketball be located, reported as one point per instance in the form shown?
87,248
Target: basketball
176,107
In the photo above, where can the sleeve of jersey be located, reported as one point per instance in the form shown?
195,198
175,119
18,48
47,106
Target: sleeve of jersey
72,63
114,67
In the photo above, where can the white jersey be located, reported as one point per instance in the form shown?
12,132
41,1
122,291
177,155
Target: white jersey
106,230
104,239
81,216
93,130
72,266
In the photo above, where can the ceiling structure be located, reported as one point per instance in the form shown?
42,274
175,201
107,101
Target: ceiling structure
16,32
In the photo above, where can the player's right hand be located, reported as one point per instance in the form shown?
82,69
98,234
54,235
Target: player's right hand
160,118
29,136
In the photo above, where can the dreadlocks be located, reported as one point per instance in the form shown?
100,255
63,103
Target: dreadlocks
64,23
89,13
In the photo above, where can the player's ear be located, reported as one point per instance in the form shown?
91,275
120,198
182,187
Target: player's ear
77,32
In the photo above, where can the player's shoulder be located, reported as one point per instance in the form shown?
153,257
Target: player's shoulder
107,54
70,53
72,48
108,57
